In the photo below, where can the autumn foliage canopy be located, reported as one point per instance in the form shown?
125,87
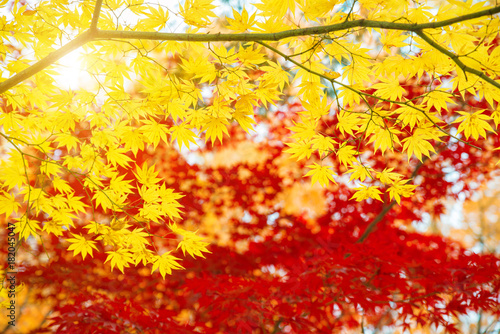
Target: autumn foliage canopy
278,167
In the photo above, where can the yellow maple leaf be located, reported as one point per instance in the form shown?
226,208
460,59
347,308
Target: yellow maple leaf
116,156
191,243
54,227
389,88
241,23
323,144
305,129
75,203
393,38
67,140
474,125
165,264
321,174
154,131
363,192
133,139
8,204
409,115
145,175
61,185
438,99
299,150
244,119
276,8
359,172
26,227
496,116
275,74
384,138
346,154
215,127
120,258
81,245
316,107
183,135
348,122
197,12
157,19
418,144
400,188
387,177
169,204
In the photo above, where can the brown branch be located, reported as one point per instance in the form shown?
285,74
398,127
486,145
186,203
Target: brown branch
374,223
371,227
45,62
456,59
94,34
318,30
95,16
83,39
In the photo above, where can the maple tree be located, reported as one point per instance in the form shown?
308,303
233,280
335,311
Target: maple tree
140,169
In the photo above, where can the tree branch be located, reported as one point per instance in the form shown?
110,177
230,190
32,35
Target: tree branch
45,62
457,61
79,41
369,229
94,34
320,30
95,16
374,223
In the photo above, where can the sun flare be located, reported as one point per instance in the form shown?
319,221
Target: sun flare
70,69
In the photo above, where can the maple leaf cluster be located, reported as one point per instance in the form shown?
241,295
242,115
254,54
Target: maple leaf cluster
285,255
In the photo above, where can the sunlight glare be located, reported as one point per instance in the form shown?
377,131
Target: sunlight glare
71,74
